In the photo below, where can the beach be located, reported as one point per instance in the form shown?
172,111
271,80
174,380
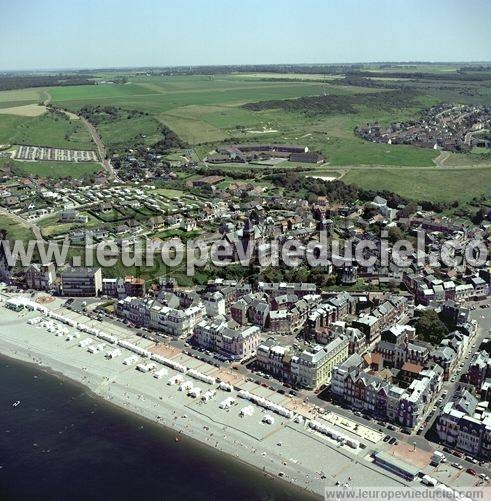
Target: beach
287,449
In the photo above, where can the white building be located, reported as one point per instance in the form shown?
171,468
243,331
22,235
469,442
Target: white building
218,336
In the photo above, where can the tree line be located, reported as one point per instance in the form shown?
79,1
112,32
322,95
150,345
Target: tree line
337,104
9,82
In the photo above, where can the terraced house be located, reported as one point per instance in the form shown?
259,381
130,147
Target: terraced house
379,397
227,338
311,368
465,424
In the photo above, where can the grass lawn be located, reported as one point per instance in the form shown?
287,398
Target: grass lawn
59,169
15,231
168,193
439,185
51,227
473,158
355,151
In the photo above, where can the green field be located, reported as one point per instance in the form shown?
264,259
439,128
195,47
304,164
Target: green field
45,130
342,152
122,133
58,170
206,110
15,231
439,185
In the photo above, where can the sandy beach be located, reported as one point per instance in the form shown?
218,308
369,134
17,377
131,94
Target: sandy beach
285,449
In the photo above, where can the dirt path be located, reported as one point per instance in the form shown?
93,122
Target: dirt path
26,224
101,149
46,97
441,158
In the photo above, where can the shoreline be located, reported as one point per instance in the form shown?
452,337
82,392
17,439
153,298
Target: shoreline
96,387
281,447
296,491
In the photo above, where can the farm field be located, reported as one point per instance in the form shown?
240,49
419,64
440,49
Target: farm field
9,98
24,110
206,111
439,185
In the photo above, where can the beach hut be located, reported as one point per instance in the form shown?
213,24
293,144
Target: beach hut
113,353
146,367
208,395
227,403
132,359
160,373
194,392
247,411
186,386
175,380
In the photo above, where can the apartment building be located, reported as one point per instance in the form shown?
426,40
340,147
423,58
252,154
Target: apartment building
310,368
81,282
313,367
40,276
466,424
218,336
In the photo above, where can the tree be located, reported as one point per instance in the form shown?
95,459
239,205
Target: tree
430,328
395,234
479,216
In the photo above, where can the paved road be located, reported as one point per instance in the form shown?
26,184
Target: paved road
419,440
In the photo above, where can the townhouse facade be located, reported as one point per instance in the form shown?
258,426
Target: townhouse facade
234,344
310,368
465,424
382,399
157,316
